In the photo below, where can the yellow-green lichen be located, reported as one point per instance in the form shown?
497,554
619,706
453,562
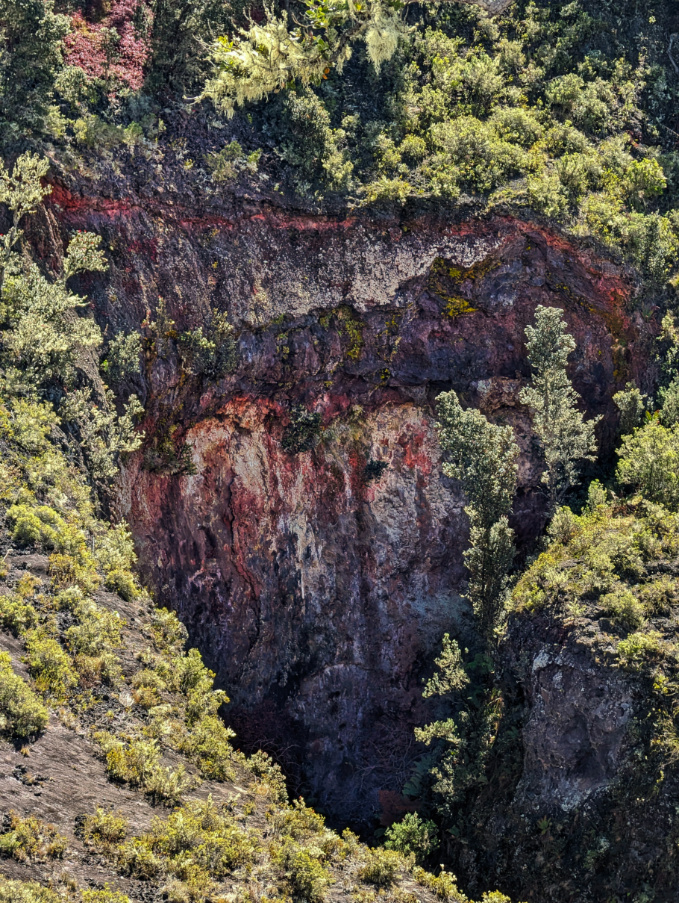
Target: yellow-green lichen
445,280
455,307
352,328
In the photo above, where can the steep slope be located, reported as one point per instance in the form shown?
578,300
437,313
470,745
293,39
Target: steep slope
317,562
585,807
118,781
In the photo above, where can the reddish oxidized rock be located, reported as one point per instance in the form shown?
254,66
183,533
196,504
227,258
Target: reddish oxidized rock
317,589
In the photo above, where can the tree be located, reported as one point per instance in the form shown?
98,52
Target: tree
566,438
649,463
482,456
632,406
31,55
45,345
267,57
179,32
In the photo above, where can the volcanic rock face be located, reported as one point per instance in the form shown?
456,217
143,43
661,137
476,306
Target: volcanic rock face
316,582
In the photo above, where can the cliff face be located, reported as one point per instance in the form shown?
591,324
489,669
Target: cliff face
316,583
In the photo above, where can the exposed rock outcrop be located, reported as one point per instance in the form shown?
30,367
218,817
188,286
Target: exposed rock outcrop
316,587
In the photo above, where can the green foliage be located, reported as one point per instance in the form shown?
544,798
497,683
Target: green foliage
22,715
104,828
445,887
49,665
104,896
413,836
179,32
103,434
137,762
565,437
196,844
632,406
316,151
307,875
648,463
380,867
636,649
45,344
26,892
30,840
17,615
264,58
226,164
482,456
123,358
303,431
450,676
624,607
31,55
547,108
213,354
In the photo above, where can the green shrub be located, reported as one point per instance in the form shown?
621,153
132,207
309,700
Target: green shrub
26,892
123,358
624,607
444,886
131,761
31,840
307,875
105,828
413,836
42,525
263,766
49,665
380,867
104,896
22,714
134,858
638,648
17,615
168,631
207,744
303,431
649,463
195,844
137,762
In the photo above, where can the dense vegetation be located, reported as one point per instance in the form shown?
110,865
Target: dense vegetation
559,111
93,653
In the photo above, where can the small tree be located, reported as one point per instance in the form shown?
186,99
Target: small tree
632,406
566,438
482,456
31,55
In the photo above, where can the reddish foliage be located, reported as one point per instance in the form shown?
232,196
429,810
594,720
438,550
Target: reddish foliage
89,46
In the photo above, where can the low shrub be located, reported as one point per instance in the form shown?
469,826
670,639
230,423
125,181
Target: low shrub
49,665
26,892
137,762
380,867
624,607
17,615
104,828
22,714
207,744
636,649
307,875
106,895
413,837
445,887
30,840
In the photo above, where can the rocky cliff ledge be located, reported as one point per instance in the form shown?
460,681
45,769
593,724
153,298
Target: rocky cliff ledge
317,577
